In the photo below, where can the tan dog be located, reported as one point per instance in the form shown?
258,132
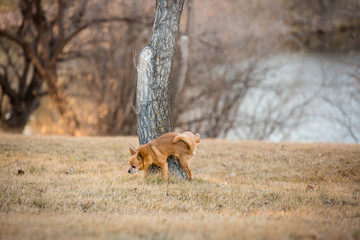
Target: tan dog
156,152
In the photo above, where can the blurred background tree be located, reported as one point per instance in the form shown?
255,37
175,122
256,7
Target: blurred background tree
17,67
43,33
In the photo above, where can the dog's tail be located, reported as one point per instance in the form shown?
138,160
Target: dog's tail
189,138
197,137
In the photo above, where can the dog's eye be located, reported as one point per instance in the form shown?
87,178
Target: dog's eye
133,166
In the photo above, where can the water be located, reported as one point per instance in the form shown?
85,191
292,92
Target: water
310,96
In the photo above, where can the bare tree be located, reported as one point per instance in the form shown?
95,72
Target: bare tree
43,34
106,71
19,98
181,65
341,92
222,67
274,111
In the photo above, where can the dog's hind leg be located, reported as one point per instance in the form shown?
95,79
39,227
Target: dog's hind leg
187,169
184,163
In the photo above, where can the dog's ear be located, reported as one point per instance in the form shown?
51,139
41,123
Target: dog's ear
141,156
132,150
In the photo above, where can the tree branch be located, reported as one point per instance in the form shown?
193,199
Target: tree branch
5,86
78,30
13,38
79,13
60,14
9,61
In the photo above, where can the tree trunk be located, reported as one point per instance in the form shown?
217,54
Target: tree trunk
22,101
19,116
153,84
179,81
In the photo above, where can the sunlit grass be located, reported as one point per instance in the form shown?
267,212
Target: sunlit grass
79,187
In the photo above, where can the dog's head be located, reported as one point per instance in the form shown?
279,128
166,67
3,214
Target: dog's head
136,161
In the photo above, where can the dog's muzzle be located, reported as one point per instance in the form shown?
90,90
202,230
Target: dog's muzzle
132,170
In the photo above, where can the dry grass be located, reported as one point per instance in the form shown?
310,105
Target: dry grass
79,188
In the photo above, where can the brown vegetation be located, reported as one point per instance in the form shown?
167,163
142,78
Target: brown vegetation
79,188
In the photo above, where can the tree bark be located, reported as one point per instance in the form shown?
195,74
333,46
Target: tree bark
153,83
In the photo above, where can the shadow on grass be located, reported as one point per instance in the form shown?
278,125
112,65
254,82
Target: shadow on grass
158,180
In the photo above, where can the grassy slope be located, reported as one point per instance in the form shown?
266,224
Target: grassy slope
79,188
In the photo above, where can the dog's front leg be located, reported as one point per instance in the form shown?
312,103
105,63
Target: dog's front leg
146,172
164,169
